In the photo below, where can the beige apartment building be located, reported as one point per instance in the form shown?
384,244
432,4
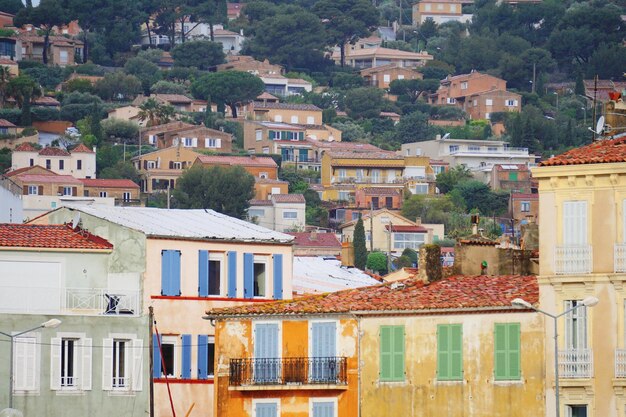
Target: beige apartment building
303,114
160,169
382,76
188,136
440,11
80,162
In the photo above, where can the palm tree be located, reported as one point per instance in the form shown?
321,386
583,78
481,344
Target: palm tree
166,113
5,74
23,88
149,111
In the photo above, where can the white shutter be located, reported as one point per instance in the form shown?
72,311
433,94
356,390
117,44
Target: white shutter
85,364
515,103
55,363
194,142
569,322
137,374
218,143
107,364
25,364
207,143
575,223
158,162
582,327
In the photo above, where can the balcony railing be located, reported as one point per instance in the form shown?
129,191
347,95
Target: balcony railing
288,371
366,180
620,363
498,151
576,363
573,259
102,301
619,253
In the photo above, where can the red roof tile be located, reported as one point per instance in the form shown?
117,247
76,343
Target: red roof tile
58,236
6,123
263,161
48,179
26,169
454,293
25,147
82,148
288,198
598,152
327,240
50,151
407,229
108,183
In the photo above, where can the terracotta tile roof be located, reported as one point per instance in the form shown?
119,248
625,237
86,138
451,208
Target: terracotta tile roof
478,240
381,191
327,240
511,167
23,170
108,183
82,148
407,229
261,203
438,162
51,151
25,147
6,61
348,146
598,152
58,236
288,198
285,106
380,154
266,96
527,196
173,98
46,101
454,293
48,179
6,123
262,161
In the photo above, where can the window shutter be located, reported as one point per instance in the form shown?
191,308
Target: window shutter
25,191
398,352
443,347
569,325
40,190
55,363
232,274
514,350
170,272
248,275
145,164
107,364
278,277
165,272
203,347
203,273
218,143
194,142
456,351
385,353
74,191
323,409
171,164
156,357
24,377
85,364
186,366
500,355
207,143
137,372
60,190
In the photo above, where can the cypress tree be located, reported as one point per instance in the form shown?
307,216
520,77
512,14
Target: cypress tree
360,249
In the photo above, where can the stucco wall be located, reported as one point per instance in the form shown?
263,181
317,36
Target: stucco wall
10,207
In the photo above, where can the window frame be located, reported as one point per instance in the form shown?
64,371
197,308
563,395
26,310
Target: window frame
217,257
31,339
332,400
293,215
392,352
256,401
175,341
260,260
449,352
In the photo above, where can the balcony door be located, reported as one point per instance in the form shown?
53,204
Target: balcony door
574,223
266,355
323,352
577,359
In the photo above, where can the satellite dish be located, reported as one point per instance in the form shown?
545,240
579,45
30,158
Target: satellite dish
446,136
599,126
75,220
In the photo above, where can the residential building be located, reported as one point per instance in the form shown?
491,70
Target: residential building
441,11
280,138
231,41
474,154
10,48
509,177
265,187
251,65
159,170
11,205
280,212
62,51
524,208
324,274
96,362
382,350
189,261
378,197
188,136
281,86
315,243
14,70
294,113
233,10
6,19
404,232
600,91
381,76
478,94
582,207
130,113
178,101
7,128
378,56
124,191
79,162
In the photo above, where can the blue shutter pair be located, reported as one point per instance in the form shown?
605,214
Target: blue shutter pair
248,276
170,272
186,357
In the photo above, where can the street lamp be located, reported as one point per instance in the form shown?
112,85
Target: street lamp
584,109
50,324
587,302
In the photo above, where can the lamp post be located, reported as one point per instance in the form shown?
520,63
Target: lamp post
584,109
50,324
587,302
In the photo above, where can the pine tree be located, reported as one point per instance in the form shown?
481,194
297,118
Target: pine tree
360,249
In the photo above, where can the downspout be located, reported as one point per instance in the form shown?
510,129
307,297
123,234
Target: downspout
358,357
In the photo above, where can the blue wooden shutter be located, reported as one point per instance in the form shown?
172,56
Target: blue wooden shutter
170,272
323,349
323,409
186,371
156,357
248,275
278,277
266,347
203,368
203,273
266,410
232,274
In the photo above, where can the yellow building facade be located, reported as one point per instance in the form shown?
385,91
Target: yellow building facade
582,206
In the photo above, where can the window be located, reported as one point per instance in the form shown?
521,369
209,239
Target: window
48,164
454,148
63,57
266,408
407,240
168,362
266,150
360,174
392,353
177,165
449,352
387,78
510,103
323,336
290,214
421,188
576,410
450,100
26,361
206,356
342,174
340,214
507,351
310,120
575,326
389,202
294,119
67,191
525,206
489,102
427,7
126,196
401,76
492,149
355,215
33,190
61,164
212,143
464,85
453,10
266,346
31,162
344,196
574,223
70,362
376,175
69,377
473,148
278,118
209,273
256,213
151,139
260,283
190,142
79,164
103,194
122,363
323,407
487,116
259,134
375,203
170,272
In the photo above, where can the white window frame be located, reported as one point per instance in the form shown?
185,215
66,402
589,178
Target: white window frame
525,206
401,76
488,102
290,212
133,366
82,358
278,118
151,164
323,400
294,119
407,243
261,259
103,194
464,85
310,120
22,364
576,326
263,175
386,78
127,196
219,257
256,401
256,212
177,355
67,191
342,173
258,135
177,165
151,139
33,190
422,187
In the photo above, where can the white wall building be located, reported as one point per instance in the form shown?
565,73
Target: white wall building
80,162
281,212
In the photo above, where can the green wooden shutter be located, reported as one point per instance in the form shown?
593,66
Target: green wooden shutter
456,351
398,353
385,353
443,371
513,334
500,352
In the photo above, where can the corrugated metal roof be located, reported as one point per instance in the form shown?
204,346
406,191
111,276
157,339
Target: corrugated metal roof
316,274
190,224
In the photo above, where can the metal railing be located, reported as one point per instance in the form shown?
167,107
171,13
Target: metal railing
620,363
366,180
102,301
619,257
499,151
576,363
573,259
288,371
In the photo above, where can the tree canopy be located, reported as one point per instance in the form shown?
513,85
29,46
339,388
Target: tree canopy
199,54
228,87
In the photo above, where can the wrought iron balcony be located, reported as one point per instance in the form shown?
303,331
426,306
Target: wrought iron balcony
576,363
573,259
288,371
620,363
619,253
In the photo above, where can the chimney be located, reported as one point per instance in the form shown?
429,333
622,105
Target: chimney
429,261
313,235
418,221
347,254
437,137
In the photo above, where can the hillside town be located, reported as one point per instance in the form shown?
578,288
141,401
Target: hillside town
313,208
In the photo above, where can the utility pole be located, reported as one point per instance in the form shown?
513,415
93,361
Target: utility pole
534,77
389,248
371,226
168,196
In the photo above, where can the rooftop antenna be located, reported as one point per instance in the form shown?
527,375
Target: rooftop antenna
446,136
599,127
76,220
